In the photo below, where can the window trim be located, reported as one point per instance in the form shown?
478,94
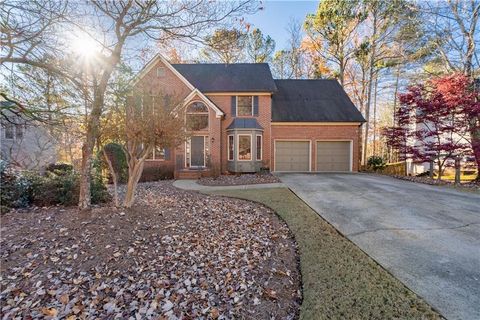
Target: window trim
261,147
236,107
201,113
238,146
233,147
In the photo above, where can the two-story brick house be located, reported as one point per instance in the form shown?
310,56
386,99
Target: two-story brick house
244,120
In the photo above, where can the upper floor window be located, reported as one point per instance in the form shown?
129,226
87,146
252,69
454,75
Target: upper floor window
244,106
12,131
197,116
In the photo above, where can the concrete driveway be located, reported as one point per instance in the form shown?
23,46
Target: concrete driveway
427,236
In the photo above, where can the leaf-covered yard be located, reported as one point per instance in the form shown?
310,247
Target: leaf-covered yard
175,254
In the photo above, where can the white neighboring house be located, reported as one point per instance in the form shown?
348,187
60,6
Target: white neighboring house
417,167
26,145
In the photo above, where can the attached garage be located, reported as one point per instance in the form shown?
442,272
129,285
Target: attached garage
333,156
292,156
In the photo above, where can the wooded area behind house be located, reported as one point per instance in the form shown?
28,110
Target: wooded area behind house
69,65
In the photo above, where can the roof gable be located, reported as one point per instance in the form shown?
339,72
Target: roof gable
312,101
238,77
152,63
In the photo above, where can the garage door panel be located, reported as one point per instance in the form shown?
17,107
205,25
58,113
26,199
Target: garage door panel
333,156
292,156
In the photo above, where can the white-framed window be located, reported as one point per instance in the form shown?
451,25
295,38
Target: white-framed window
196,116
230,146
157,154
244,106
259,145
244,147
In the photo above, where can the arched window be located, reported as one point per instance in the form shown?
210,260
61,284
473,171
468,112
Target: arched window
197,116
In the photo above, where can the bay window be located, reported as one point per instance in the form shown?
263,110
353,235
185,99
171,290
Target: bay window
259,147
230,148
244,147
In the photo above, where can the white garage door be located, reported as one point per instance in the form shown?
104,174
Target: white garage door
333,156
292,156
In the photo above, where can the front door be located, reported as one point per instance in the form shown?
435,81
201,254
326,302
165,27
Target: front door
198,151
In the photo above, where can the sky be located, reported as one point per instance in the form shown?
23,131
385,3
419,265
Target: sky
274,18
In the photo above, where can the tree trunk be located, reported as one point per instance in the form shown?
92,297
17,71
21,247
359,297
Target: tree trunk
440,167
93,126
370,85
457,170
430,174
114,177
135,170
84,200
375,117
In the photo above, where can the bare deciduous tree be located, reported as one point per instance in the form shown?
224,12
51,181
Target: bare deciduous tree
34,33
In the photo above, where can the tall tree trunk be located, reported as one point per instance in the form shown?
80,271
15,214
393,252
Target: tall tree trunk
93,123
375,117
93,128
84,199
370,86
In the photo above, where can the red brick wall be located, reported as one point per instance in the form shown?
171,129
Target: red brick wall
264,117
169,83
318,132
154,170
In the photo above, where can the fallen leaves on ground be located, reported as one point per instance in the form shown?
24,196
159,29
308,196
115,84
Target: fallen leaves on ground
176,255
239,179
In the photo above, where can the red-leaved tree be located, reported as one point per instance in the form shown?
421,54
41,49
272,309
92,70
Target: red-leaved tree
458,91
434,121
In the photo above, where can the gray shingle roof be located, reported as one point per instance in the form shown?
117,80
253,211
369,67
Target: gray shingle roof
244,123
238,77
311,101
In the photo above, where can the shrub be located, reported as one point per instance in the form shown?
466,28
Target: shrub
163,172
376,163
59,168
53,189
59,185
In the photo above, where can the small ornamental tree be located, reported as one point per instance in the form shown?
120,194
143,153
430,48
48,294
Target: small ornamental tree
140,125
429,127
459,92
151,122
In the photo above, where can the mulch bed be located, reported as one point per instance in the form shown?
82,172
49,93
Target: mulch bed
427,180
177,254
233,180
